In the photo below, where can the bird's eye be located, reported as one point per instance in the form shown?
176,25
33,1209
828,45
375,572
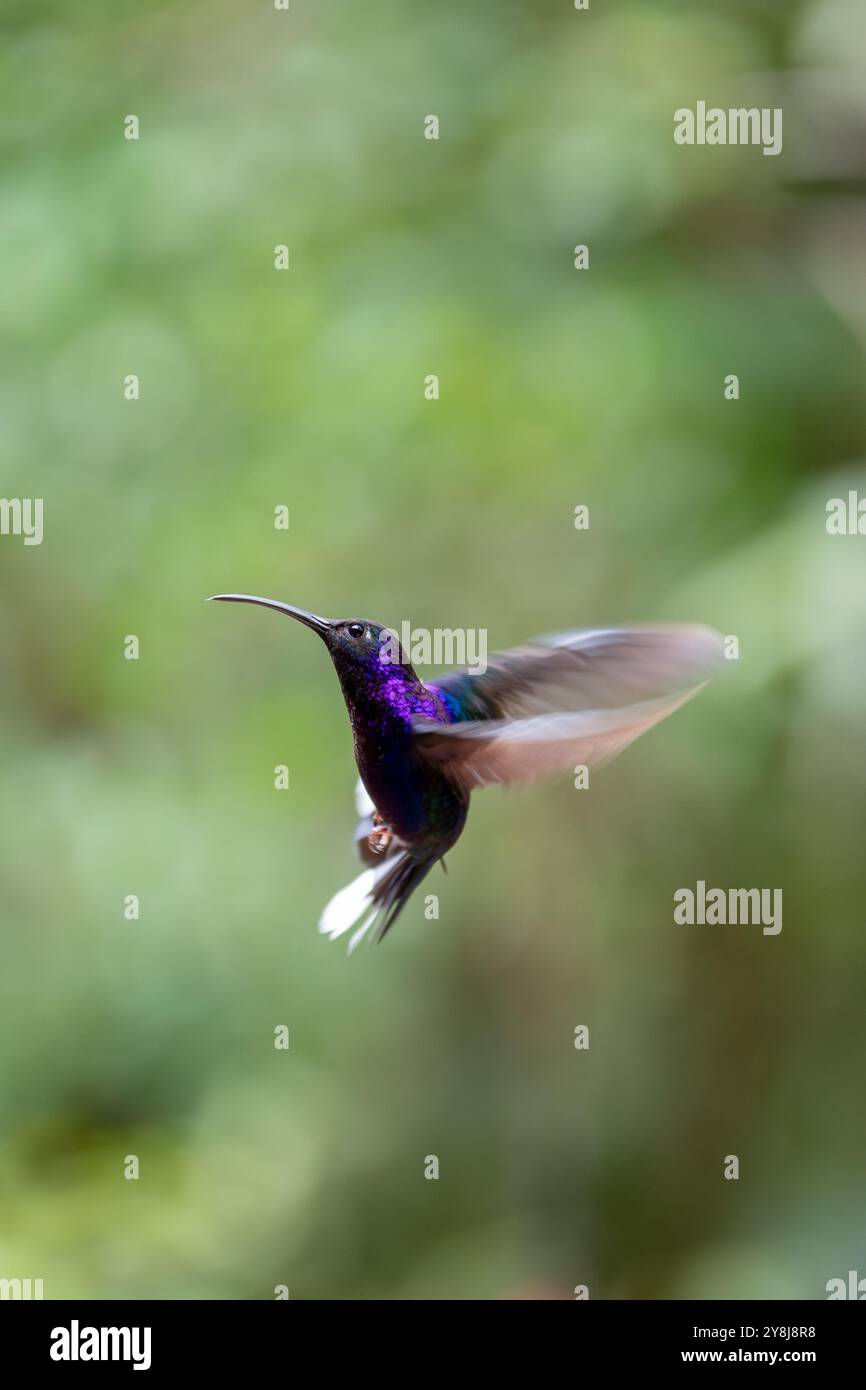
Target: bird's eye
356,629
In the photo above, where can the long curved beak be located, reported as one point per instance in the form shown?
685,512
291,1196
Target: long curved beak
320,625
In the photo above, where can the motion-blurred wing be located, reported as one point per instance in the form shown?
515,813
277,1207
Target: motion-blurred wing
573,698
366,825
363,801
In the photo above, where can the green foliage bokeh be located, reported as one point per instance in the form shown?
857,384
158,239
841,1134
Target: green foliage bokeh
305,388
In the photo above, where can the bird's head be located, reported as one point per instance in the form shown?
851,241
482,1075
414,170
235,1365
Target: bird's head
358,647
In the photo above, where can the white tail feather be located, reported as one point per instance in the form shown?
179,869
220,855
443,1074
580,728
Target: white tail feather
359,935
344,909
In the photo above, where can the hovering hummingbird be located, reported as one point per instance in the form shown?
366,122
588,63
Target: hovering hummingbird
571,698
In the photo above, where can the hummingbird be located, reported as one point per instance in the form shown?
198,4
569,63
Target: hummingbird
561,701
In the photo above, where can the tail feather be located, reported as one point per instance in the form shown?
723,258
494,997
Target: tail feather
377,896
396,888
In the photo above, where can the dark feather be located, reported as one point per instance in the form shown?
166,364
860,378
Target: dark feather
393,891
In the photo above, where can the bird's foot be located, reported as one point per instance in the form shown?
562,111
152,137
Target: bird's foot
379,839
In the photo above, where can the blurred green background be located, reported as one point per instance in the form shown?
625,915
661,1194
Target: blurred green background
305,388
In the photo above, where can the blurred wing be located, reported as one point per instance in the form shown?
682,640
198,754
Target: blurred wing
363,801
573,698
365,811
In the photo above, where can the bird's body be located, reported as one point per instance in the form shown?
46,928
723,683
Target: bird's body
420,804
421,749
